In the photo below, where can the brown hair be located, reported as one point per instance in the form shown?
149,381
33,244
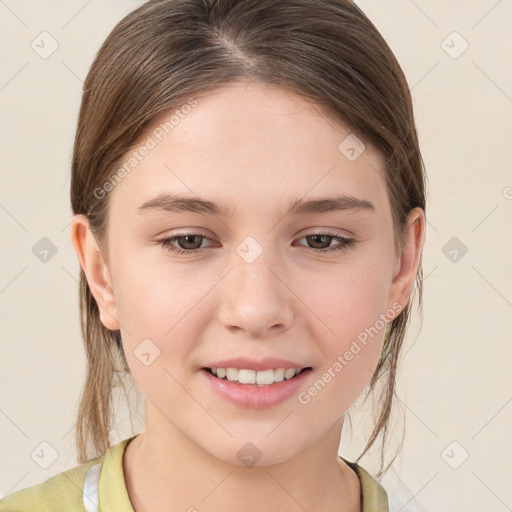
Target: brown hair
167,51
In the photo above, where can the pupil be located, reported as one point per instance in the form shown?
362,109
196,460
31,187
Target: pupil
187,240
317,237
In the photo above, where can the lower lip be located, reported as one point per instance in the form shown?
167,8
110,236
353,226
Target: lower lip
252,396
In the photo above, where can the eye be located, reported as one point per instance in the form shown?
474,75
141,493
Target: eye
323,239
190,243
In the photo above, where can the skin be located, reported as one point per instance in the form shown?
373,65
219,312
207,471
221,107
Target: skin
247,145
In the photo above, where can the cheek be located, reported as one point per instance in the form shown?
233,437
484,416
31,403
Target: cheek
349,297
340,383
159,305
350,355
154,296
162,313
353,307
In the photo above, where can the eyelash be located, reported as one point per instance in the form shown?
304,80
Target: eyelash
345,243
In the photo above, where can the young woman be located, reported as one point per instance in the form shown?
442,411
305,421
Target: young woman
249,201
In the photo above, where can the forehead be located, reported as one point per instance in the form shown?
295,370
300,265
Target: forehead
250,143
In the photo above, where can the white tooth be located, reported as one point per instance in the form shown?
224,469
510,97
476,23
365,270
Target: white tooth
232,373
261,378
246,376
279,375
265,377
288,374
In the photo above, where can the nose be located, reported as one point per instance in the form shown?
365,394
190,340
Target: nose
256,299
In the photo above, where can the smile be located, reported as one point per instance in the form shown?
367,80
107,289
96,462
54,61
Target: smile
259,378
256,389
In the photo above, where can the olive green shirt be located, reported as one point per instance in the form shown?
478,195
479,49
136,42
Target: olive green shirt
81,488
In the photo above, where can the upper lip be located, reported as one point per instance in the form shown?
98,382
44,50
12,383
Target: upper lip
268,363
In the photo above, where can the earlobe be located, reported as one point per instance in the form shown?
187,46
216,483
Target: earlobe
96,270
403,280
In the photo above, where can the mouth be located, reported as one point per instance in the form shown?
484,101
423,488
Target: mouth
256,389
253,378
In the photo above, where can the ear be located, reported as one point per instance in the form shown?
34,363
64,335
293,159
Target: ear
406,266
96,270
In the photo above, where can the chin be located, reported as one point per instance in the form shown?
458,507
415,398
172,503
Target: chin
253,452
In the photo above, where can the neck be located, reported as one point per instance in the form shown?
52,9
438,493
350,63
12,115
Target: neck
165,470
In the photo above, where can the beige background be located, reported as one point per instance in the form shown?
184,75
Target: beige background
455,386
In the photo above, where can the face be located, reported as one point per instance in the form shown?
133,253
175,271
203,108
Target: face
313,287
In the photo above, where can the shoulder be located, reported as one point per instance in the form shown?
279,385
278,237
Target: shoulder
60,493
373,496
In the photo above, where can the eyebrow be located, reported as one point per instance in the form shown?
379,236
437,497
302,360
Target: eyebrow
175,203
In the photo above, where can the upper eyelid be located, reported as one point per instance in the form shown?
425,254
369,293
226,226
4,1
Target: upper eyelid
325,232
307,231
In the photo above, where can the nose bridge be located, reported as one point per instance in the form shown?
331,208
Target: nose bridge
256,299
